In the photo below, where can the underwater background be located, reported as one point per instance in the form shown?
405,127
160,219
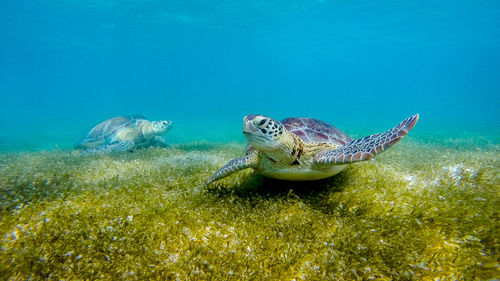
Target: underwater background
427,209
362,66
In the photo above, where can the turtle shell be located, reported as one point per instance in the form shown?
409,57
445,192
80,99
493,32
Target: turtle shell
314,130
107,129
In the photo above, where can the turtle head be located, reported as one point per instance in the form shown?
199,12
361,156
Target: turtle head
264,133
160,127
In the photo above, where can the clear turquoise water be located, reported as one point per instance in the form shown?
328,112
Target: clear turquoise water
361,65
428,209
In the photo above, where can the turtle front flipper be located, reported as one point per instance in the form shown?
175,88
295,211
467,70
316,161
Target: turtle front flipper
249,161
367,147
159,141
118,146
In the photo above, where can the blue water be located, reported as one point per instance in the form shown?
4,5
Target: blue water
360,65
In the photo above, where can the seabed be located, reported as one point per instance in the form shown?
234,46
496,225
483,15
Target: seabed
417,212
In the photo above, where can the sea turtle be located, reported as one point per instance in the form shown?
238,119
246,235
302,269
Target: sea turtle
305,148
124,133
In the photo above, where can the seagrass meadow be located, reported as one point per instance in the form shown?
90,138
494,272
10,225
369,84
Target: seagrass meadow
420,211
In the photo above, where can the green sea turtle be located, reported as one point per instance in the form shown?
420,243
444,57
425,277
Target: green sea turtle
305,148
124,133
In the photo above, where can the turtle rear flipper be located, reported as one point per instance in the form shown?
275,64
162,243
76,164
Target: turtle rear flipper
118,146
367,147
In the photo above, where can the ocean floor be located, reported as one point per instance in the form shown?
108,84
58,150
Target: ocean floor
423,210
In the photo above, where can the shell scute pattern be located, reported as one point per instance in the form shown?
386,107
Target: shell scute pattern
314,130
107,129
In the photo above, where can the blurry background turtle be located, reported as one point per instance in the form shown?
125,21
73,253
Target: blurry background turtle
124,133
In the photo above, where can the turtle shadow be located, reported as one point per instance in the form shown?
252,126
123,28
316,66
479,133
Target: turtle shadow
260,187
316,194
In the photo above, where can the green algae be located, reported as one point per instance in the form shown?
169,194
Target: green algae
420,211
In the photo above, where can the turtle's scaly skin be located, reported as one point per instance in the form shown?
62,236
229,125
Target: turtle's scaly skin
124,133
306,148
367,147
